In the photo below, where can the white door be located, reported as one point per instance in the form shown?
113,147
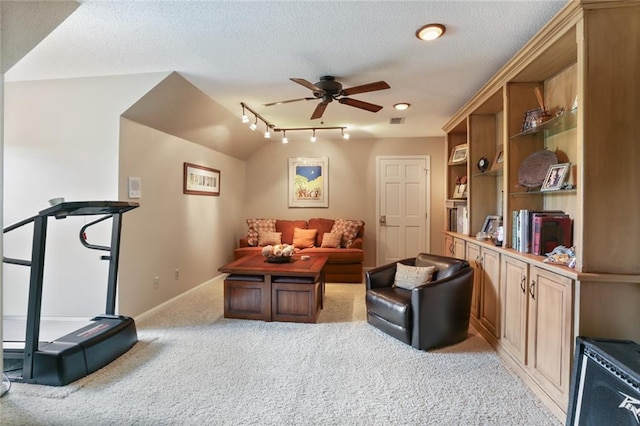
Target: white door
402,207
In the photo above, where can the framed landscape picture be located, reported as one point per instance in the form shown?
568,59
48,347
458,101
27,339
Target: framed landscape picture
308,182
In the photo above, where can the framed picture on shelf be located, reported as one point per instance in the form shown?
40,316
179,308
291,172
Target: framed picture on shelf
491,224
556,175
458,154
498,160
531,118
200,180
460,191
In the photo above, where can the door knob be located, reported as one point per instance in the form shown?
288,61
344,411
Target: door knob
383,220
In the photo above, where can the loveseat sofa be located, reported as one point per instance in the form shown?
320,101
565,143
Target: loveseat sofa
345,255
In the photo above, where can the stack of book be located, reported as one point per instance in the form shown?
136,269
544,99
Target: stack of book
540,231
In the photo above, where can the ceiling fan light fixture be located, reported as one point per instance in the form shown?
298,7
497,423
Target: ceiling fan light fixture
284,137
345,136
313,136
402,106
430,32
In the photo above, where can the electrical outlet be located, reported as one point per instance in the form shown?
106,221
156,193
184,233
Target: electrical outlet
177,274
156,282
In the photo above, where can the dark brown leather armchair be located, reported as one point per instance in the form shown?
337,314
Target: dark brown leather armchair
429,316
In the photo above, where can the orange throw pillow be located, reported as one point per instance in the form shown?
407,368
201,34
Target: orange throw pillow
304,238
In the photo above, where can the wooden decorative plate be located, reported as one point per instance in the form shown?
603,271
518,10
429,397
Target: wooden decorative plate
534,168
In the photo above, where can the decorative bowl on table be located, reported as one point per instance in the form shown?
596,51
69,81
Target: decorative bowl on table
279,253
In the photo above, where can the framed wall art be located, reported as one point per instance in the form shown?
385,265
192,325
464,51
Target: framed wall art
458,154
200,180
308,182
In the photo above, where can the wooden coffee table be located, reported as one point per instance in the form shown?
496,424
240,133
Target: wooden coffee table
257,289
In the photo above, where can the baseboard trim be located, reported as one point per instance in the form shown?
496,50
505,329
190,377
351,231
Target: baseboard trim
164,304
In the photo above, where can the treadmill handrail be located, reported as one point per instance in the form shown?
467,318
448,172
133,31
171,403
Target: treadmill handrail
11,260
83,237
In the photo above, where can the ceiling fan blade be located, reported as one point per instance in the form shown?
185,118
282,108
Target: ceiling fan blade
306,84
317,113
371,87
360,104
288,101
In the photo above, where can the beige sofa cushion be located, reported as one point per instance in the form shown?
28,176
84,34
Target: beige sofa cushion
259,225
349,230
331,240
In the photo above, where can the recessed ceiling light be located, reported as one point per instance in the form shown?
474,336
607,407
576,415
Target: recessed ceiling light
402,106
430,31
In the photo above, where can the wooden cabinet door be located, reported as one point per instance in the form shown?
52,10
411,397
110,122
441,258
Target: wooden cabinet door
459,248
473,257
448,246
550,332
490,294
514,300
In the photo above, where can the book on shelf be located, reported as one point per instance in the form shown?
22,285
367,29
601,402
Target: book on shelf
463,220
550,231
522,229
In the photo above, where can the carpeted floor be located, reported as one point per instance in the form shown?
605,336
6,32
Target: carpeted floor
194,367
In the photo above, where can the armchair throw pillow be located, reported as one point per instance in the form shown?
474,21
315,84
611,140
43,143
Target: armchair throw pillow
410,277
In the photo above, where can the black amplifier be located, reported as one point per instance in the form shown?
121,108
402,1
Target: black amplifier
605,384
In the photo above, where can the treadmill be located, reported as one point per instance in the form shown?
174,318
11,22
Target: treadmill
57,361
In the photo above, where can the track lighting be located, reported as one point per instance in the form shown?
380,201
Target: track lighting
245,118
313,132
269,126
254,125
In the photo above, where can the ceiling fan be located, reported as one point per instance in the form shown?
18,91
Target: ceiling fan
328,90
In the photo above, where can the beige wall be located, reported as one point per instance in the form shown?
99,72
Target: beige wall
352,182
171,230
61,139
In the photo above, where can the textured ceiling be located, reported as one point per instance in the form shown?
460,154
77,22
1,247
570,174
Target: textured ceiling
239,51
